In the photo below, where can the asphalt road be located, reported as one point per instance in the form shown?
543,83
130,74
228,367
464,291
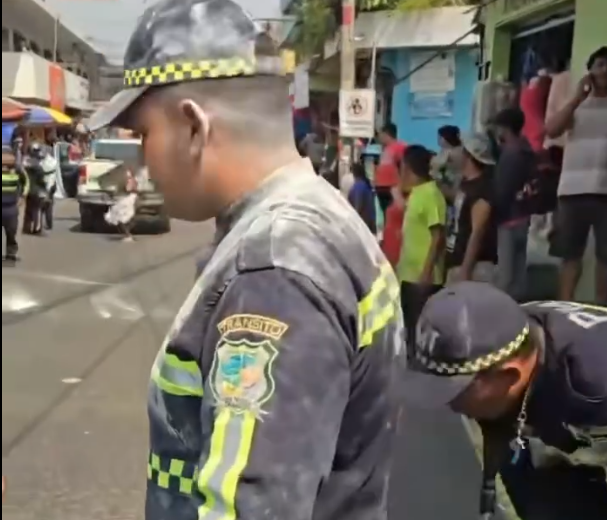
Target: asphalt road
82,319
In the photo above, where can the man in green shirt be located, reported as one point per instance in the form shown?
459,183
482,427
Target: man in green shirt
421,263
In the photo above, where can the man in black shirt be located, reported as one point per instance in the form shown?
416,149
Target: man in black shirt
472,237
515,169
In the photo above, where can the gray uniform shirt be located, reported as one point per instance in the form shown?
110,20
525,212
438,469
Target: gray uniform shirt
585,160
274,395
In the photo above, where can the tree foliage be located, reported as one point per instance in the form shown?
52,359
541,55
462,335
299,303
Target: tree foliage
319,19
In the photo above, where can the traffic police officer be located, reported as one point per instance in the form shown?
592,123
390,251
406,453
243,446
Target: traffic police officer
273,395
535,377
14,187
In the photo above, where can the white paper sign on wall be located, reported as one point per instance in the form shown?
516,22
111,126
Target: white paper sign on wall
357,113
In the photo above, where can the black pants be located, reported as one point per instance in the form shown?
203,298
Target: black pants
32,217
48,208
413,298
10,225
556,493
384,197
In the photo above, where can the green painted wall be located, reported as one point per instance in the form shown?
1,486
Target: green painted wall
502,17
590,32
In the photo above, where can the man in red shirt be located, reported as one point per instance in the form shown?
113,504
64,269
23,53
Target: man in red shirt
386,174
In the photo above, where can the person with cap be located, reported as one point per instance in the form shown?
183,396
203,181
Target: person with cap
274,392
15,187
472,234
534,377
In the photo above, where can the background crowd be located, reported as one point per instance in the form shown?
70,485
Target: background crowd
466,212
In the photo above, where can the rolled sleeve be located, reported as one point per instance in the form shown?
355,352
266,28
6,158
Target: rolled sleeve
278,388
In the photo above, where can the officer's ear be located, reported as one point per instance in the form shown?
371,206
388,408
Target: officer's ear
199,125
511,375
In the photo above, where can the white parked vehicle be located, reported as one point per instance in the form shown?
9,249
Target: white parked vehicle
101,184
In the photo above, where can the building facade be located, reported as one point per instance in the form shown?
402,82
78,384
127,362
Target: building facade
506,20
426,69
45,62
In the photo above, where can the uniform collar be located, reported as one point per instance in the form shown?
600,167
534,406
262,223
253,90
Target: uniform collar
275,181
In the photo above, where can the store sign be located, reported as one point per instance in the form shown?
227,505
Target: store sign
516,5
56,84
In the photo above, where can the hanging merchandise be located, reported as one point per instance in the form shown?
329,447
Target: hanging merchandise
560,92
533,102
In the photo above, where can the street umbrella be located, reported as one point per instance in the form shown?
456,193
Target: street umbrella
46,116
13,110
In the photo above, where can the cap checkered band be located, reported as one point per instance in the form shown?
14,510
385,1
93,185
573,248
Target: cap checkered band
209,69
474,366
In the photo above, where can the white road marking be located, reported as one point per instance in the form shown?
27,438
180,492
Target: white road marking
71,380
53,277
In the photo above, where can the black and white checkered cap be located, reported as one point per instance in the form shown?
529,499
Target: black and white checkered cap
463,330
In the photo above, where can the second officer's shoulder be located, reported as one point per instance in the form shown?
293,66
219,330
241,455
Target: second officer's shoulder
306,226
575,339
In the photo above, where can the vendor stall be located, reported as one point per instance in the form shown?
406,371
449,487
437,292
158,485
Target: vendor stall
42,116
13,110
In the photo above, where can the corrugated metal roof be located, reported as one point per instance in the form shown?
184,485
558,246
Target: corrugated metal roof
439,27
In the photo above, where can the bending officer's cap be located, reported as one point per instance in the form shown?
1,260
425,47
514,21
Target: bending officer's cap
189,40
463,330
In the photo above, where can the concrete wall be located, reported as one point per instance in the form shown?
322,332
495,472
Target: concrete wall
424,131
26,76
33,20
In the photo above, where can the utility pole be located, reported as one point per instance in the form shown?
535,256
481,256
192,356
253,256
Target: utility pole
348,73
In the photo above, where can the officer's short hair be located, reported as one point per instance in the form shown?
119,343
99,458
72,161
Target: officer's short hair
253,109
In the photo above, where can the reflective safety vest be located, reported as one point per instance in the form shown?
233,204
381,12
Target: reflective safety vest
13,186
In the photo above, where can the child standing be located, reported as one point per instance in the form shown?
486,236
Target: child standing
421,263
122,213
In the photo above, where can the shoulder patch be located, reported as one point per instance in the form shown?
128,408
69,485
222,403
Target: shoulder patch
253,323
242,375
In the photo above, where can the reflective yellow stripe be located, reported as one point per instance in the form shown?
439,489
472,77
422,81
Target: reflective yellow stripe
177,377
173,474
229,453
10,182
378,307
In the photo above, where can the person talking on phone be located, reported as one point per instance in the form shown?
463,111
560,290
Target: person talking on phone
583,185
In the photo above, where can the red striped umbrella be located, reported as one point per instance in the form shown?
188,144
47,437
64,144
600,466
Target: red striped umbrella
12,110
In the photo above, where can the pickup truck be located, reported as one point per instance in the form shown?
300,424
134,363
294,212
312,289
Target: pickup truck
101,177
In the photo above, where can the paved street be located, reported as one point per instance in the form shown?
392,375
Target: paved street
82,319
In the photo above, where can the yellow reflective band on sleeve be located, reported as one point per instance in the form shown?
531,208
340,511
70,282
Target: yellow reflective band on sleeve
10,182
379,306
172,474
229,453
177,377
